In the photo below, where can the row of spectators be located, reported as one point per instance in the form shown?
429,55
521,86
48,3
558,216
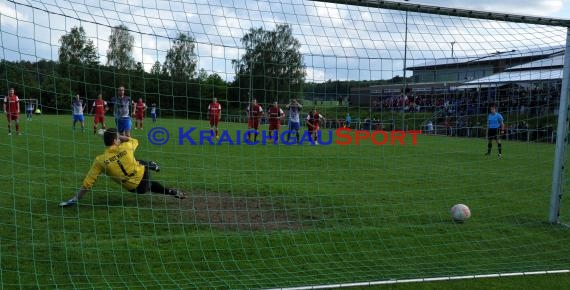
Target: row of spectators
535,102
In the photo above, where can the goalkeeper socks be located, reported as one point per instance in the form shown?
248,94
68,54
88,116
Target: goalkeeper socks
500,149
158,188
489,146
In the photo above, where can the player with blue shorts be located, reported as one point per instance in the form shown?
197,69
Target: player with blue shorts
122,110
153,112
294,120
77,107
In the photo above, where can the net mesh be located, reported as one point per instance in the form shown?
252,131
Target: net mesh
370,203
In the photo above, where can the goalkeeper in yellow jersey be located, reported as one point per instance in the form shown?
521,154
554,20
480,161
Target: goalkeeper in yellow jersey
119,163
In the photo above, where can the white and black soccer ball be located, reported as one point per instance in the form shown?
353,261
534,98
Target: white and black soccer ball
460,213
101,132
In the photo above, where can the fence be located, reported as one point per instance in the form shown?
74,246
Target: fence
547,135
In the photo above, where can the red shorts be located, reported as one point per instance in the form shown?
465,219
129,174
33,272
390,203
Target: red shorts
214,121
139,116
99,119
253,124
274,127
12,116
314,129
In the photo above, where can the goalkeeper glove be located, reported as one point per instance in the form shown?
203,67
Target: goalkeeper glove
70,202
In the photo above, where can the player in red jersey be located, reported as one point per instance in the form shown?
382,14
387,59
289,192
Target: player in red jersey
313,121
139,109
215,114
275,116
100,107
12,110
254,114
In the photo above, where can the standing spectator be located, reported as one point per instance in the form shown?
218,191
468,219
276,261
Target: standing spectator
100,108
78,106
139,109
254,114
121,108
215,114
12,110
447,125
294,121
494,124
153,112
367,124
275,116
29,110
347,121
429,127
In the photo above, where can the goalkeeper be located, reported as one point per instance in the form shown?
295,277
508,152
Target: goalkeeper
119,163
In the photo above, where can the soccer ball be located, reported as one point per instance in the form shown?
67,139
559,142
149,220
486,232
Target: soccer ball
460,213
101,132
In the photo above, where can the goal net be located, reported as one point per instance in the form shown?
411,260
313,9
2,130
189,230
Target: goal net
402,93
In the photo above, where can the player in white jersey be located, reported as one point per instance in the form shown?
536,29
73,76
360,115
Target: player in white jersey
153,112
29,111
294,120
121,107
78,106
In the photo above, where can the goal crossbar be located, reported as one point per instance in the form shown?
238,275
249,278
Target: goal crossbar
421,8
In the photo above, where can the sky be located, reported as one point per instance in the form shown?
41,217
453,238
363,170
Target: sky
339,42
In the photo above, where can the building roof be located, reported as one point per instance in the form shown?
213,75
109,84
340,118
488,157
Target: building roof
534,52
443,62
491,57
514,77
553,61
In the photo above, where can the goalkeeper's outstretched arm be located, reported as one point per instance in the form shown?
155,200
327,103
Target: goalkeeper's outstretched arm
78,195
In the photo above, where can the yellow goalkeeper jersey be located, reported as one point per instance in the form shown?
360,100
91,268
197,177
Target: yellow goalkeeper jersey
119,163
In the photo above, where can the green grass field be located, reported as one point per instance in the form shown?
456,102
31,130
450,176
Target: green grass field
276,216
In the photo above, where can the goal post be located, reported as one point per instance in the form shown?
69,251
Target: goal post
558,171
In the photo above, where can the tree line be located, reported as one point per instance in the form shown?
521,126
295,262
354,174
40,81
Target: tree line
271,69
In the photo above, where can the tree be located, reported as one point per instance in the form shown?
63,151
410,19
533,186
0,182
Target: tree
202,75
156,69
77,49
139,67
120,52
272,64
212,86
180,62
